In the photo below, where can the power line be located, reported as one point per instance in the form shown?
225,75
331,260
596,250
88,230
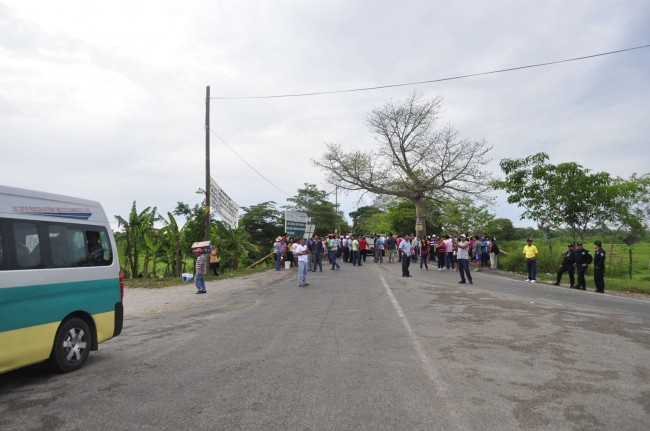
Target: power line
432,80
244,160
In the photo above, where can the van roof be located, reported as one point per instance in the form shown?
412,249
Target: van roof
23,202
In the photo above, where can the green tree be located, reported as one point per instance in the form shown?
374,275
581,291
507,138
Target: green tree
501,229
320,210
263,222
411,160
630,212
528,186
172,235
135,228
377,223
194,228
567,195
234,245
155,244
462,215
361,216
401,215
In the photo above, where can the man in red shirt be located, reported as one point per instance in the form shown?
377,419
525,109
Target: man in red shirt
363,246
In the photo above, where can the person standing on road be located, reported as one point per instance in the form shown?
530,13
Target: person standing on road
441,249
391,247
333,251
201,268
214,261
494,252
399,240
568,265
278,249
477,253
530,256
379,248
485,252
405,252
424,253
318,251
356,254
363,247
347,256
463,260
415,247
449,258
583,259
301,252
599,267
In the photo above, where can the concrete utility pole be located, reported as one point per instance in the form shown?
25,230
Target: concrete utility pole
207,163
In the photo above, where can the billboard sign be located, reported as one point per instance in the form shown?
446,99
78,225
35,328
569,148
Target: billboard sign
223,205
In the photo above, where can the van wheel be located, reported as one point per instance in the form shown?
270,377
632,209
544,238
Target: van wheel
71,346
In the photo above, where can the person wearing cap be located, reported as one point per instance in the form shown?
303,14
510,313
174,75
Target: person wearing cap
568,265
278,249
583,259
599,267
463,260
530,255
201,268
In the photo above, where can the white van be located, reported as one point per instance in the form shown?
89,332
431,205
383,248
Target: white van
61,289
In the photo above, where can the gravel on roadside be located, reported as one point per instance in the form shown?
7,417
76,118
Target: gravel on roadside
143,301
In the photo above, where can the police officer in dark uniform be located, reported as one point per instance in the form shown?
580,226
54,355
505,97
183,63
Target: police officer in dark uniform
599,267
568,265
583,259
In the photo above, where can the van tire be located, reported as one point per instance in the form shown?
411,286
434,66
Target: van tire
72,346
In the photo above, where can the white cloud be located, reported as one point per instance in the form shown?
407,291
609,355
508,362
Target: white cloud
106,100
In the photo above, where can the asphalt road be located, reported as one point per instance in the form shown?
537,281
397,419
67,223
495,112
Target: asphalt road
358,349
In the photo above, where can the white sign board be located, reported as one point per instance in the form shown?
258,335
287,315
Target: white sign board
225,207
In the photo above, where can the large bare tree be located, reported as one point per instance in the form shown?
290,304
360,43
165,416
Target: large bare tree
411,159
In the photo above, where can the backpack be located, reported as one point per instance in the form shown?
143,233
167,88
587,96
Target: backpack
495,248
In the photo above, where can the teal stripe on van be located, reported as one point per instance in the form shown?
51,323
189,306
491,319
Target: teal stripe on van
22,307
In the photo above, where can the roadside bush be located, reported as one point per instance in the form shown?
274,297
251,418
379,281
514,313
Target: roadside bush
511,257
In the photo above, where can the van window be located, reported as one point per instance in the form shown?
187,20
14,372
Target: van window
62,245
2,250
28,253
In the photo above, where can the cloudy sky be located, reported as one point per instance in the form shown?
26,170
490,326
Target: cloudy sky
106,100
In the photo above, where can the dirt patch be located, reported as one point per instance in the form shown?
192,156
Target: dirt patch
142,301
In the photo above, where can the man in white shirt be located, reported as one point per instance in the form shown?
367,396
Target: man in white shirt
300,250
405,251
463,260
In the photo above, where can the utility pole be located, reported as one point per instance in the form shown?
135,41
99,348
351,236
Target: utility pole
207,163
336,204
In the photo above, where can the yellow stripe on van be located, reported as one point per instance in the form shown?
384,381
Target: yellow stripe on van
105,323
26,346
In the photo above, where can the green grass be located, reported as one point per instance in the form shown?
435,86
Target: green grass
617,272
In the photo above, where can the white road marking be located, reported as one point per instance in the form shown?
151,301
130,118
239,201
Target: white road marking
425,362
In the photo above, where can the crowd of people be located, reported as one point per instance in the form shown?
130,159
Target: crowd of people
450,253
